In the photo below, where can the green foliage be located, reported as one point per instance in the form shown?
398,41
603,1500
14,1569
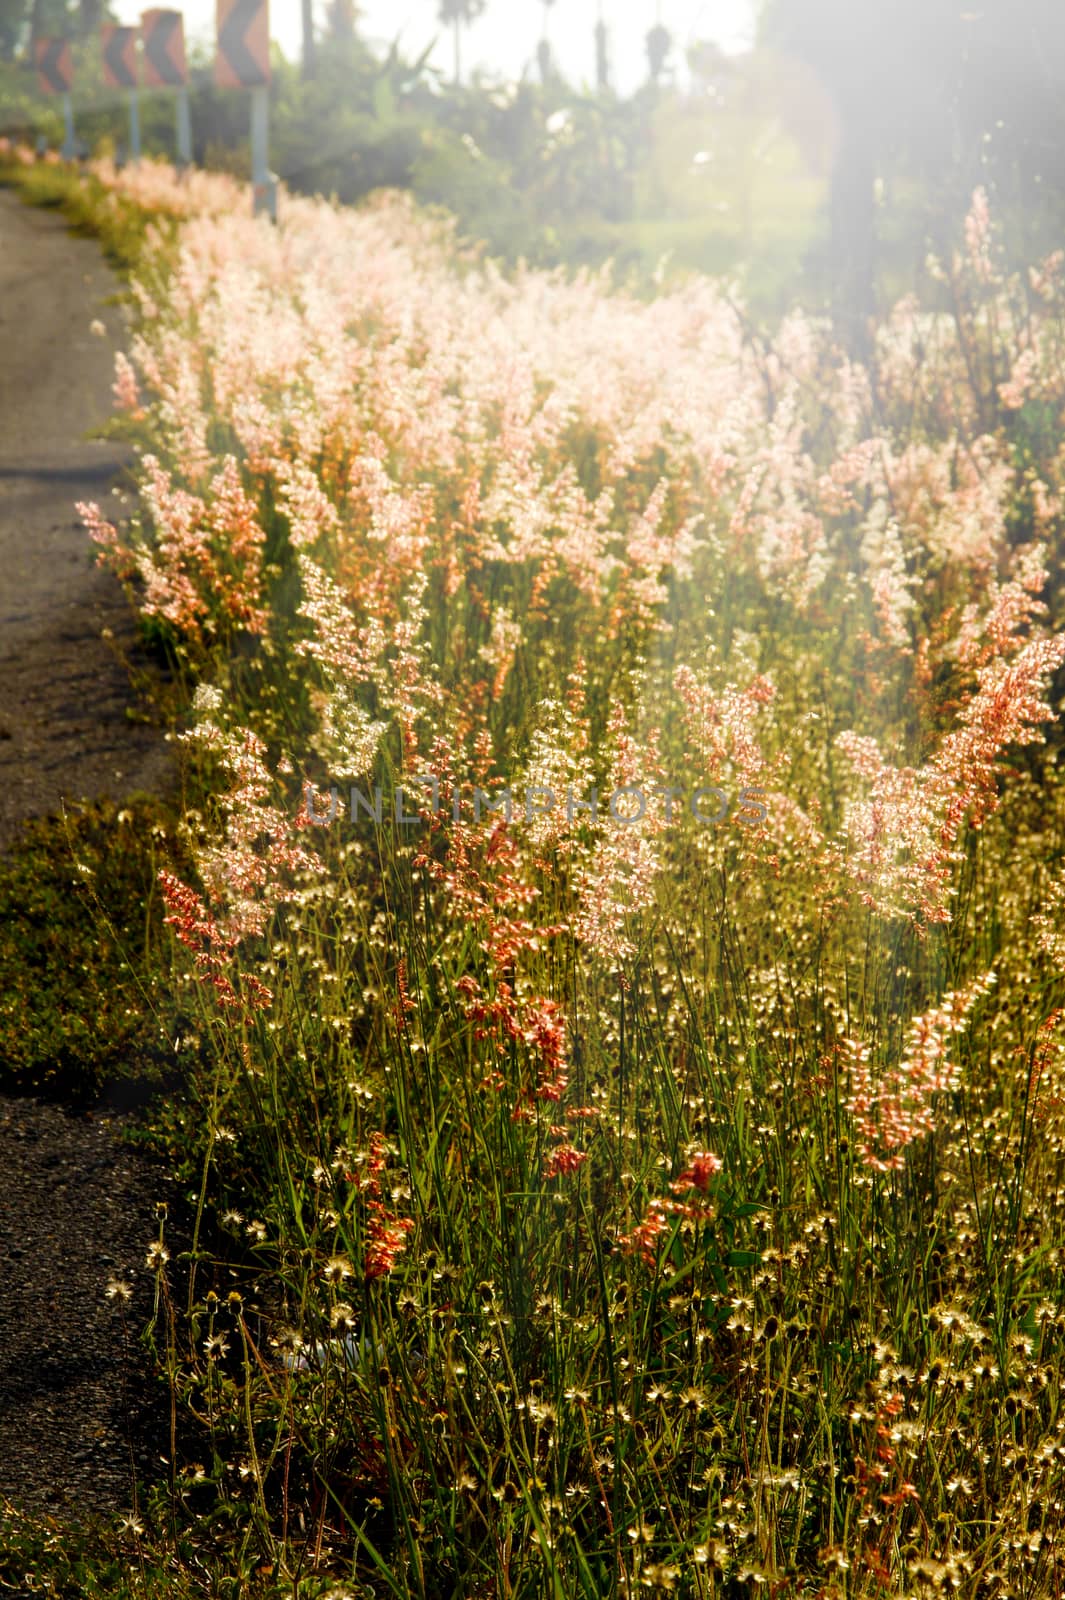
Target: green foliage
83,998
41,1555
534,171
75,19
929,100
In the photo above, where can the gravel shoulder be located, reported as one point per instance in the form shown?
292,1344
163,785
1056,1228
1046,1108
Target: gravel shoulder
77,1208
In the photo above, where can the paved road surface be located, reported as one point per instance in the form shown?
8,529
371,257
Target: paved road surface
75,1207
64,732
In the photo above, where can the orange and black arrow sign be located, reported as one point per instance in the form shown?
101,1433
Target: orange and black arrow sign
163,33
243,60
55,71
120,56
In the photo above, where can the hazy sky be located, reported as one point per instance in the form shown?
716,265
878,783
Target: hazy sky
505,37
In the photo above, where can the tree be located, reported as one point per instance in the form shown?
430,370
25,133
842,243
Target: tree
37,19
932,90
659,44
13,18
459,13
90,16
866,64
307,17
543,49
341,21
602,54
20,19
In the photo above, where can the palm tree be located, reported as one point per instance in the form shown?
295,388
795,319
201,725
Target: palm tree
307,11
602,54
343,20
543,49
458,13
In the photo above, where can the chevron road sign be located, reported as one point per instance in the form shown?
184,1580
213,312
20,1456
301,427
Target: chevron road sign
243,62
120,72
120,56
165,67
55,72
243,59
163,33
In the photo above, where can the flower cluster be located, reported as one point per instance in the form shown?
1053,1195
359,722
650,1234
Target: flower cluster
895,1107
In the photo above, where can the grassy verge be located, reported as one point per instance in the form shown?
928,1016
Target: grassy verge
87,1000
86,993
596,1205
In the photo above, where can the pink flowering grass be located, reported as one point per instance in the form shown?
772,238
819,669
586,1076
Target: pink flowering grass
616,1199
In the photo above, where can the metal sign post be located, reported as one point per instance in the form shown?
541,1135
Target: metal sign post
264,183
184,129
243,62
68,129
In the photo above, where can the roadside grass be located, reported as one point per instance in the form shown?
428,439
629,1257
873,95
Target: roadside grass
87,993
41,1556
531,1260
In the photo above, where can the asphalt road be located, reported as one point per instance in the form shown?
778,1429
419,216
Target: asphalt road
76,1206
64,693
